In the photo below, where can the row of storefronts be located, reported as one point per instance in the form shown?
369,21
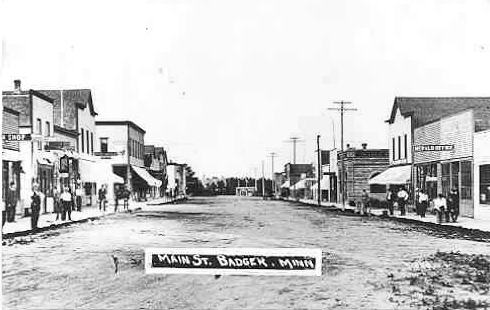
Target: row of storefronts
51,138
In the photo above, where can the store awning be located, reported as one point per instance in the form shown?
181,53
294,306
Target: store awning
9,155
97,172
151,181
44,161
324,183
301,184
285,185
394,175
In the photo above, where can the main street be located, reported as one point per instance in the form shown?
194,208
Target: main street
366,260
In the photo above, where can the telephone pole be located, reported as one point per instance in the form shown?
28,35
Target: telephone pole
342,109
294,140
263,181
319,170
272,155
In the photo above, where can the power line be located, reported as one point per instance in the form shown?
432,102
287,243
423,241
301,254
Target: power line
272,155
342,109
294,140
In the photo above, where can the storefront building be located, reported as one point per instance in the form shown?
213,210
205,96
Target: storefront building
444,157
11,160
482,174
121,144
407,114
35,120
361,165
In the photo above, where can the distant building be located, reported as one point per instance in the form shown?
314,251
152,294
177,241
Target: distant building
360,166
293,174
176,180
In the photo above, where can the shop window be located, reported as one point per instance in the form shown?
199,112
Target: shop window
377,188
466,180
104,144
485,184
446,179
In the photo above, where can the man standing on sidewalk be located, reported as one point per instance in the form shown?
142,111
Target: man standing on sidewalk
364,202
66,202
78,194
402,200
390,200
11,201
35,206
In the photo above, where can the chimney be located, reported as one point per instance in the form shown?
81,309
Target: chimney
17,89
364,146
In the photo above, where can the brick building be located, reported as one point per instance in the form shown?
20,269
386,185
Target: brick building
360,166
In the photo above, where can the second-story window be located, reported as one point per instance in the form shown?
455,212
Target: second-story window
83,140
399,147
39,129
92,143
47,132
104,144
88,142
405,145
393,148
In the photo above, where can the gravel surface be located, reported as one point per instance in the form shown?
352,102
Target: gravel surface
367,262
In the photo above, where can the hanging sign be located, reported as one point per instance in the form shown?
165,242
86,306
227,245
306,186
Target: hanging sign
433,147
230,261
16,137
64,164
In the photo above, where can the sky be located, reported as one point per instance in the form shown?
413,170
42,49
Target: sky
223,83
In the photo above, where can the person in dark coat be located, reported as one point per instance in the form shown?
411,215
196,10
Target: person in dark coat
11,202
390,197
35,206
453,204
57,203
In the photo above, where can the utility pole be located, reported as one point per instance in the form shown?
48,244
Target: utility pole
255,178
342,109
319,171
263,181
294,140
272,155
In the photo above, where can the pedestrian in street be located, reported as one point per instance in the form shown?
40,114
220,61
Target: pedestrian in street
66,202
35,206
11,201
453,204
57,203
390,200
78,197
117,196
364,202
402,200
423,201
440,206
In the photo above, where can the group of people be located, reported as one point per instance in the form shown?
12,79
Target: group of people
447,208
398,199
65,201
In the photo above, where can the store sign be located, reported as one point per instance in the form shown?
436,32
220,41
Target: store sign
64,164
106,154
59,145
433,148
16,137
229,261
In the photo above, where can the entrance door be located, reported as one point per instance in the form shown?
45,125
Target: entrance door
466,189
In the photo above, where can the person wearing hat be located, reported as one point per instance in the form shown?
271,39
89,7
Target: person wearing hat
35,206
423,200
453,205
